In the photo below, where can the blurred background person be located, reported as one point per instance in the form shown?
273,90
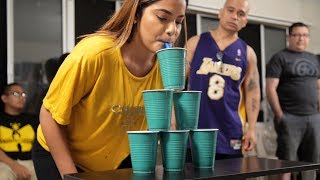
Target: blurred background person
293,91
17,133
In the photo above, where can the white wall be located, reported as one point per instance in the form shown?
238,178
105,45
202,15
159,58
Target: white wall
311,14
283,12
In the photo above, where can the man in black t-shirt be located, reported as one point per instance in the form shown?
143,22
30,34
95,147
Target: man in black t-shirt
293,93
17,133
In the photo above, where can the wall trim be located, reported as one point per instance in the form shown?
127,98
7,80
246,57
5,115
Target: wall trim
252,17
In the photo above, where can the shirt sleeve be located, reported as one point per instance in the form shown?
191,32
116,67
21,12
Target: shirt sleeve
73,81
318,65
274,68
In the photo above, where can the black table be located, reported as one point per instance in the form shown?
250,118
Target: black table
238,168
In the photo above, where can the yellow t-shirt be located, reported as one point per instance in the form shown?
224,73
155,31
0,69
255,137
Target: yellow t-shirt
98,99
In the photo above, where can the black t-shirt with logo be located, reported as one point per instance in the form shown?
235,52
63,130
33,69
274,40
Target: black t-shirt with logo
17,133
298,73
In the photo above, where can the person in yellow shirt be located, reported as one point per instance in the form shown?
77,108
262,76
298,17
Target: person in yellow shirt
96,95
17,133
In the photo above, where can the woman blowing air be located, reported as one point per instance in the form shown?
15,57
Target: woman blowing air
96,95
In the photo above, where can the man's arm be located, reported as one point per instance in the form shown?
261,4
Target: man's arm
318,95
56,141
173,122
20,171
272,95
191,48
252,100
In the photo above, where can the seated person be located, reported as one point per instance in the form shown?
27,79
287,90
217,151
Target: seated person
17,133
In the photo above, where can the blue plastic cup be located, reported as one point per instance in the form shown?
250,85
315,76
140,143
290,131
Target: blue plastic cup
172,63
158,108
143,150
186,108
203,147
173,148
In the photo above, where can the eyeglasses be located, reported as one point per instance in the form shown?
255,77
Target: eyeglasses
18,94
300,35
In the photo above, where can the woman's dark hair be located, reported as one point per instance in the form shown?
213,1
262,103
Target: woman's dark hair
7,88
297,24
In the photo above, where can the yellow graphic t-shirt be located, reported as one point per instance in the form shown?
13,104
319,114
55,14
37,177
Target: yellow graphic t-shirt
98,99
17,133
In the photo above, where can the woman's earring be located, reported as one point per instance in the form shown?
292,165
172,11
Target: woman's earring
135,22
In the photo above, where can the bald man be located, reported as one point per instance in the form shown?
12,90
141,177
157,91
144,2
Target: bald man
224,68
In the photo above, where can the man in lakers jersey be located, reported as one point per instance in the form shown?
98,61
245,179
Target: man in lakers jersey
224,68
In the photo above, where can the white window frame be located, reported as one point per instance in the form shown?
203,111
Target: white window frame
68,32
10,41
68,25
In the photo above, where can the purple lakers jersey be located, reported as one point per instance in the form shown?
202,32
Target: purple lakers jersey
219,75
